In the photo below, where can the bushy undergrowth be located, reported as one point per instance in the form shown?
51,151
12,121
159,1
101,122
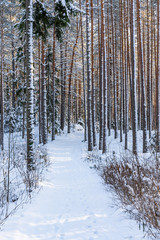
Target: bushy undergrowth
17,183
136,182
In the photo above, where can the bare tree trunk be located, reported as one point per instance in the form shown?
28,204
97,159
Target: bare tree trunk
1,87
100,87
93,81
126,75
53,83
114,71
133,89
158,77
109,74
79,98
89,115
121,71
62,89
40,94
103,43
149,100
84,84
142,78
24,96
76,95
70,84
44,99
152,61
13,72
30,91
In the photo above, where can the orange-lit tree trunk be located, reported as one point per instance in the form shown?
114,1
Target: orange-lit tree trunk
149,95
141,55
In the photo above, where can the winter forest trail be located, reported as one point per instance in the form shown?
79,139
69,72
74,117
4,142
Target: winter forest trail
73,204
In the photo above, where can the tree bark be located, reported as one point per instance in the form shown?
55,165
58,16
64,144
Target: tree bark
62,89
93,81
133,83
44,95
30,88
104,78
84,83
158,77
53,85
1,82
141,55
89,115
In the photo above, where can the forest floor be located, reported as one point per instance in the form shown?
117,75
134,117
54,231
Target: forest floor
73,203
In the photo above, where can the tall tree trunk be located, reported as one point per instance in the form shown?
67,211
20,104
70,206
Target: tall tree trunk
76,94
1,82
121,70
84,83
129,60
152,62
53,84
141,55
70,83
104,78
126,75
40,93
114,71
79,98
100,86
140,117
44,99
89,115
109,72
30,91
62,88
149,100
93,81
133,84
158,77
24,99
13,72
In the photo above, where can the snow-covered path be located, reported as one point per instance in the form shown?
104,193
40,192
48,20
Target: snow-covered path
73,204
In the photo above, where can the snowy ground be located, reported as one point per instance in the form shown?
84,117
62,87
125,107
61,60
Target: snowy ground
73,204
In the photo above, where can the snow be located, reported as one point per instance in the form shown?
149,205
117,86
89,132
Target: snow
73,203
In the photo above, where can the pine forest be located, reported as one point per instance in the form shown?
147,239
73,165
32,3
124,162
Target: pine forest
80,80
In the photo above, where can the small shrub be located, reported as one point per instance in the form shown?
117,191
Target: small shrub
136,182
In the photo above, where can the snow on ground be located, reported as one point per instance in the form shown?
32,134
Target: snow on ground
73,204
